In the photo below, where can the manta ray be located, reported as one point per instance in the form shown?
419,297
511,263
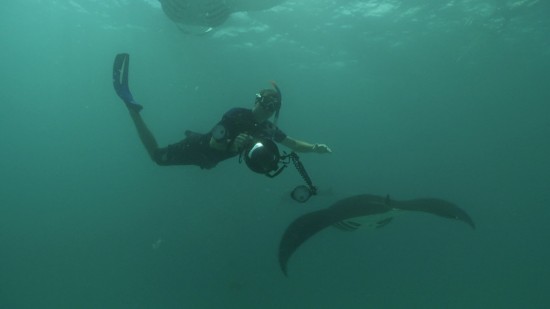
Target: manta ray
350,213
210,13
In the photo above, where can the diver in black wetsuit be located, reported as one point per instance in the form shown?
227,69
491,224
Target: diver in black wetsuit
238,128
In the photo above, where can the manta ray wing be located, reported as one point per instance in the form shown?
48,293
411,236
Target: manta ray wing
301,230
311,223
436,207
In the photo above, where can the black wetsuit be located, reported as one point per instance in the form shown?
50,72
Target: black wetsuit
195,148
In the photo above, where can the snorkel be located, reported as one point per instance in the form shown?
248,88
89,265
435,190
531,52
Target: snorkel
280,101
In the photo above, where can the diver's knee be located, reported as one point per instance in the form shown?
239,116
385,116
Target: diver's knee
159,157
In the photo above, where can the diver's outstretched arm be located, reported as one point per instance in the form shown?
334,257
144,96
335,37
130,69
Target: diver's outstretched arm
301,146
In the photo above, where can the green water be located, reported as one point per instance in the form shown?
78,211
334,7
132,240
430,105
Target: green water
416,99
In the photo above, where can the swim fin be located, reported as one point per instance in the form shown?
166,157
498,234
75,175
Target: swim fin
120,81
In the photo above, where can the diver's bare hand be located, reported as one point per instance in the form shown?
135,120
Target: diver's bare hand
241,141
321,148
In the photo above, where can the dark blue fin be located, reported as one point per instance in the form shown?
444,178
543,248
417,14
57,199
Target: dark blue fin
121,66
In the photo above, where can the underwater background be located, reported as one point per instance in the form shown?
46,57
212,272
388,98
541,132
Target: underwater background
446,99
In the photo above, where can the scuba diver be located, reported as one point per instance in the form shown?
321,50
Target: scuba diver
240,130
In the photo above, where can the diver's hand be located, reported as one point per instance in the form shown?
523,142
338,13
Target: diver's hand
321,148
241,141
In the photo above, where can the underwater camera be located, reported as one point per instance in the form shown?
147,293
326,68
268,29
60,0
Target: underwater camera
263,157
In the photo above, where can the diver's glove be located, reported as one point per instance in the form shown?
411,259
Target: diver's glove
120,81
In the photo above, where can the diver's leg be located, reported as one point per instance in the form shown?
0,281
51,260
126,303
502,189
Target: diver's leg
121,67
145,135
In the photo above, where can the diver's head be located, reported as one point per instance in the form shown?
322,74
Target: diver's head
268,103
269,99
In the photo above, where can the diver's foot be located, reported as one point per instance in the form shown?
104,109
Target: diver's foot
133,105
